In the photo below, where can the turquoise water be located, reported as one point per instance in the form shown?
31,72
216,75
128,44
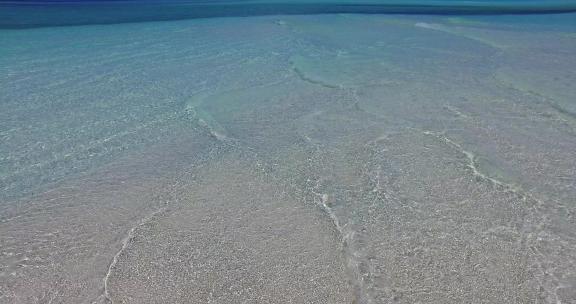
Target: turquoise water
276,157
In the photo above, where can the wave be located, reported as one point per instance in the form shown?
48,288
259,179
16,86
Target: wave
34,13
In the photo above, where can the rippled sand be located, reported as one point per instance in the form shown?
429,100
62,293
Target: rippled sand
301,159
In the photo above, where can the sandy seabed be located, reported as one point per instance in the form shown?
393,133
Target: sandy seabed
289,159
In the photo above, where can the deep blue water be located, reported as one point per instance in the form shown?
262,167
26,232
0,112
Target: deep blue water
35,13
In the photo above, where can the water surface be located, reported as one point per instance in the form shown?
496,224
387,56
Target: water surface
325,158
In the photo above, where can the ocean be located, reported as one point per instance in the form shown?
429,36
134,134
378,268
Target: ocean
288,152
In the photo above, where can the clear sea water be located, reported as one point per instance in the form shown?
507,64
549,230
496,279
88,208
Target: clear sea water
288,152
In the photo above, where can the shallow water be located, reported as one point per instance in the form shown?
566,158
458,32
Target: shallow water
290,159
